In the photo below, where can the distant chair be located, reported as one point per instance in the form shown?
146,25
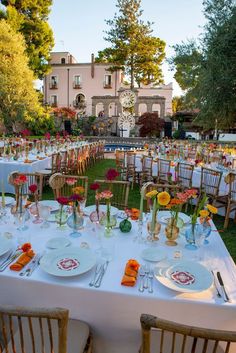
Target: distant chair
120,190
229,201
146,174
42,330
167,336
185,174
163,170
131,167
210,183
60,186
32,178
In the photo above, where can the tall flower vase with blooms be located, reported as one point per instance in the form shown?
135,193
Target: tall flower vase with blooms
153,226
108,220
34,209
19,209
96,215
76,220
205,221
61,216
193,233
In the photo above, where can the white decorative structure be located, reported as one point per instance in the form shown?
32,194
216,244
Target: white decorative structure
125,124
126,121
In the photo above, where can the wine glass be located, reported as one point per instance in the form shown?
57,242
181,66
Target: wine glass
44,212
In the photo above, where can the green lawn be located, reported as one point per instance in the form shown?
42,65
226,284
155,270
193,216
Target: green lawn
98,172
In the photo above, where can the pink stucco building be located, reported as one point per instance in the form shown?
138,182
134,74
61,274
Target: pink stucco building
83,85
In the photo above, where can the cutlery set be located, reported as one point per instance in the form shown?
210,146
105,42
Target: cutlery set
12,256
29,269
146,275
220,293
99,274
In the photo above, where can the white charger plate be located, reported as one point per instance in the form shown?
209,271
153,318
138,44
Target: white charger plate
184,276
153,254
164,216
5,245
68,262
58,243
103,208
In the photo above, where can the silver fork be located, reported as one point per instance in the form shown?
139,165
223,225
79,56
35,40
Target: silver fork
147,270
141,275
150,277
97,271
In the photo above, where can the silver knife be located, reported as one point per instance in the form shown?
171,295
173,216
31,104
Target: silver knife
35,265
11,259
226,298
99,279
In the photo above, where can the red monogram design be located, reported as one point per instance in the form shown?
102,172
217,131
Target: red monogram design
183,277
68,264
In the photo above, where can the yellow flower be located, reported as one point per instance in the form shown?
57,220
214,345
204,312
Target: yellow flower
163,198
151,194
204,213
212,209
78,190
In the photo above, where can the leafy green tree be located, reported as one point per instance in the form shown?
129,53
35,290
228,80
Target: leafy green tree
29,17
133,47
18,99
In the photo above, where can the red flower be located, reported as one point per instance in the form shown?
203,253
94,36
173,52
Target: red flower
20,179
76,197
26,247
47,135
33,188
111,174
94,186
63,200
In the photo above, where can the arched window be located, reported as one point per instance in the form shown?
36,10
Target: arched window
63,60
80,98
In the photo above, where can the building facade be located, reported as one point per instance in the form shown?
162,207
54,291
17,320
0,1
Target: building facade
83,86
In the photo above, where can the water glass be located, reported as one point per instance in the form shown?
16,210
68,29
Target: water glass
44,212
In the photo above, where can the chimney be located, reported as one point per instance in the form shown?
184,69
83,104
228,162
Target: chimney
92,65
70,59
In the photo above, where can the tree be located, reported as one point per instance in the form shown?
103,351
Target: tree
18,98
133,48
206,71
152,125
29,17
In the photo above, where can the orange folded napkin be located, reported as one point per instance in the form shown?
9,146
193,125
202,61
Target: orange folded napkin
23,260
131,272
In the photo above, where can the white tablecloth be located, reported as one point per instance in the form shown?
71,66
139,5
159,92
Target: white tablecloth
6,167
113,310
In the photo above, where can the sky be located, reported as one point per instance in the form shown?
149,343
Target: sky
79,26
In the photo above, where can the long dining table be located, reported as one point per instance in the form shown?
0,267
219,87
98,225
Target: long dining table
113,310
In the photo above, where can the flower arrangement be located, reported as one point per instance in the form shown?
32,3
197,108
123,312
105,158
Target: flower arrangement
111,174
33,188
95,187
19,182
63,201
107,195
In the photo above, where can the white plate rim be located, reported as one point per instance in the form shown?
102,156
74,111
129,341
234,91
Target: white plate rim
167,282
67,252
153,249
8,245
162,217
66,241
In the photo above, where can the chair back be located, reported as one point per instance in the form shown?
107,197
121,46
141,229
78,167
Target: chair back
62,185
147,164
210,181
120,190
231,179
163,169
177,338
32,330
185,174
56,162
32,178
130,160
120,159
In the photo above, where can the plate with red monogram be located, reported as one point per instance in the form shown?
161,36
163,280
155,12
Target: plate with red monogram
68,262
184,276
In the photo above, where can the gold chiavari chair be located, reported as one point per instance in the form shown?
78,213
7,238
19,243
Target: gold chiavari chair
229,201
185,174
130,167
62,187
146,174
120,190
163,170
167,336
120,162
32,178
210,183
42,330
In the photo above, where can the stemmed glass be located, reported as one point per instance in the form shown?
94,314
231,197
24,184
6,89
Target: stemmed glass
44,212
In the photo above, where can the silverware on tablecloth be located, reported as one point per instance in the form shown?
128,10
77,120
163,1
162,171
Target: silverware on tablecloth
141,275
225,295
96,274
6,257
101,274
35,265
11,259
150,282
30,265
146,270
215,285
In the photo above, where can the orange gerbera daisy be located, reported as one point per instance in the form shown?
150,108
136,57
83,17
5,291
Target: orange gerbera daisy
163,198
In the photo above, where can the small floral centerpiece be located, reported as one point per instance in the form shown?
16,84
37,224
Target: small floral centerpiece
96,215
33,188
112,174
205,218
75,221
109,221
125,225
61,217
19,183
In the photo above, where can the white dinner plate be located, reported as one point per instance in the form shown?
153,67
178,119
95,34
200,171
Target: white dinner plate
8,200
164,216
103,208
58,243
68,262
153,254
184,276
5,245
53,204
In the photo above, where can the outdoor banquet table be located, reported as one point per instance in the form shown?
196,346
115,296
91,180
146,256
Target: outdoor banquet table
113,310
7,167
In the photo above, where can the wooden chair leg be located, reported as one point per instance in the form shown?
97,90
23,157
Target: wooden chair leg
226,223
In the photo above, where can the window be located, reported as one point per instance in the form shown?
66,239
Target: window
77,81
53,81
63,60
54,101
80,101
107,82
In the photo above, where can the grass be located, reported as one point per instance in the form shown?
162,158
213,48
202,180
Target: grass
98,171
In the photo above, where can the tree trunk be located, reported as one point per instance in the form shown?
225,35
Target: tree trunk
132,72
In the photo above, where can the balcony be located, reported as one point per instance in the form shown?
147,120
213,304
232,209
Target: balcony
53,86
77,85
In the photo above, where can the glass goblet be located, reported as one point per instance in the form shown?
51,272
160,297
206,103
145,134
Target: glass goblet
44,212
